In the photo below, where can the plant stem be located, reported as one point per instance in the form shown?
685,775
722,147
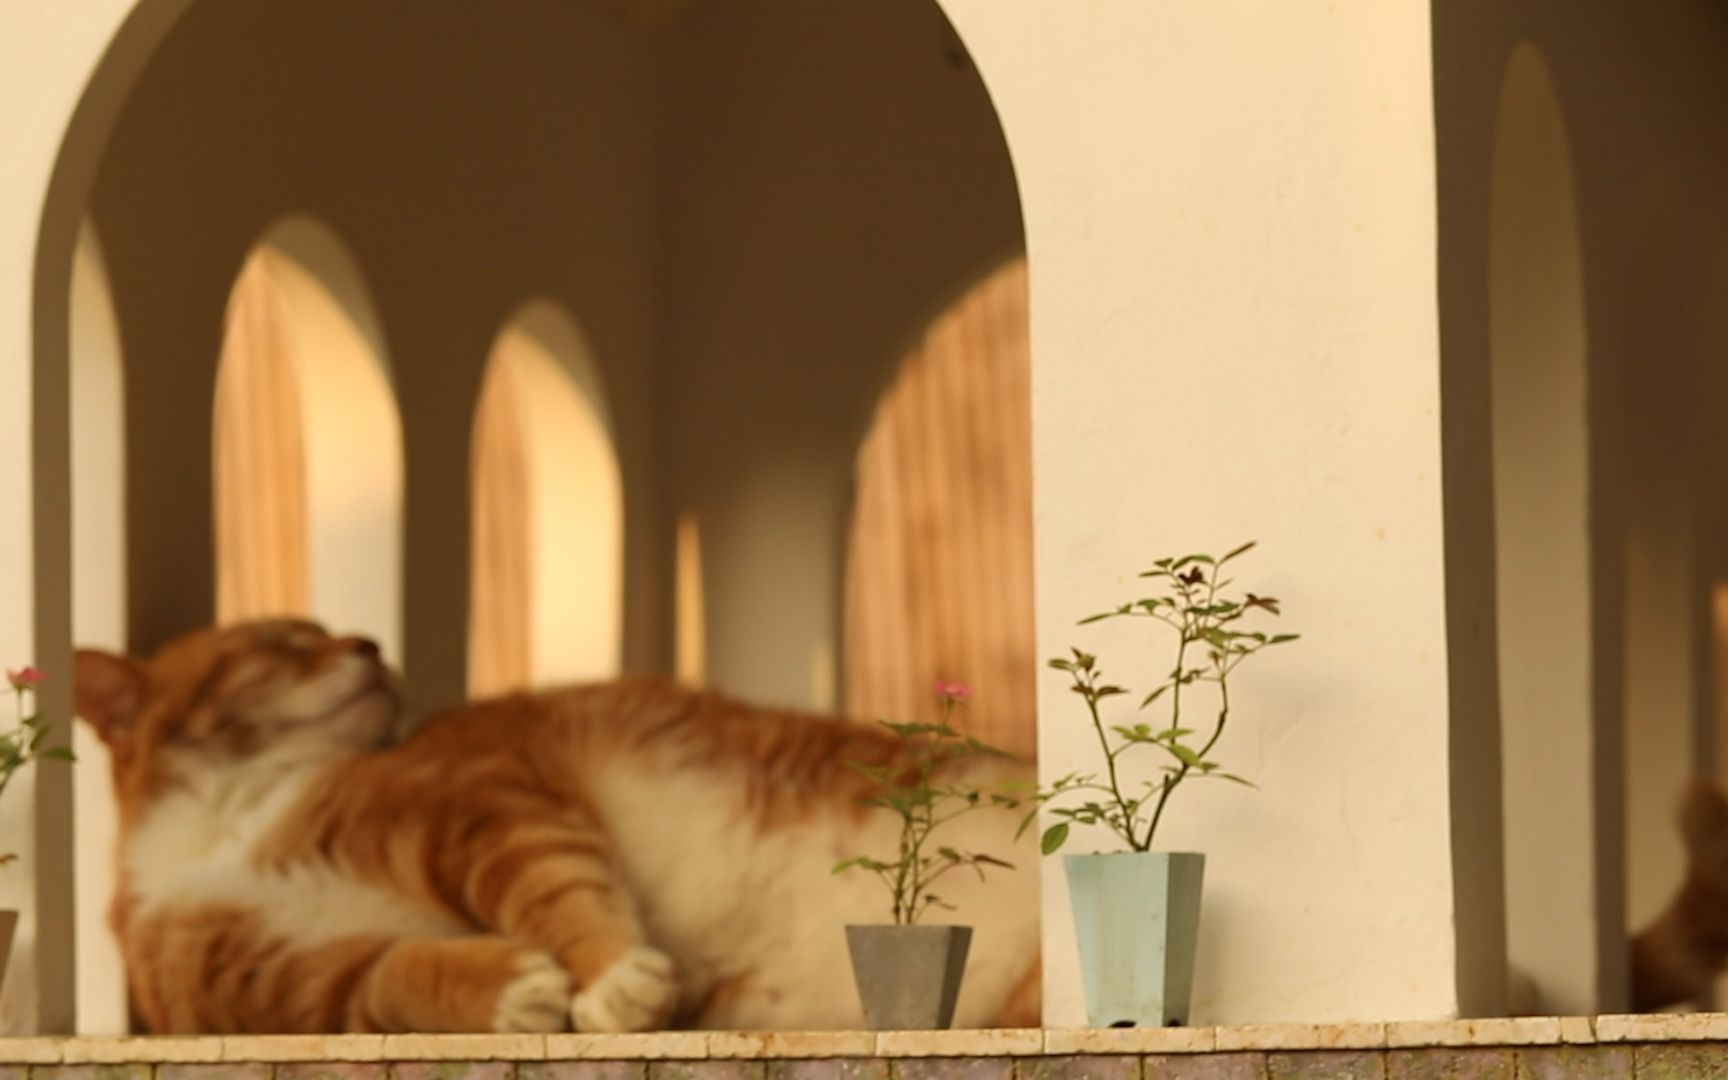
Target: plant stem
1181,774
912,862
1127,829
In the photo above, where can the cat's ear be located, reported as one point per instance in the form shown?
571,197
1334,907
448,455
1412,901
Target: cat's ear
107,692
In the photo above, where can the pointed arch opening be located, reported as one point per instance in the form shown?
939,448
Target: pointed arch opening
307,442
548,511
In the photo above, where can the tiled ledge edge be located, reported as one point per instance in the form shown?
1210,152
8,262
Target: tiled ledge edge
778,1046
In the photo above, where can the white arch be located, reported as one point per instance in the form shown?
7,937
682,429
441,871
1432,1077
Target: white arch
544,409
1539,383
301,302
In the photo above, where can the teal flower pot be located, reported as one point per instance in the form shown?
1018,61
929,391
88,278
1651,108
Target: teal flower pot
1137,921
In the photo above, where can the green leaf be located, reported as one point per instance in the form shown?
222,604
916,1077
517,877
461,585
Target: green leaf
1184,755
1243,550
1154,695
1054,837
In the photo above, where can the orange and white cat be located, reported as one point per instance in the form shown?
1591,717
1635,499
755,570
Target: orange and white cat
616,857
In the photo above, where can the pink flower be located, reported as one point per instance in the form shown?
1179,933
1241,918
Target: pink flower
952,692
24,678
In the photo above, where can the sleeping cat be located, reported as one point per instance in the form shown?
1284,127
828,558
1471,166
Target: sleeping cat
616,857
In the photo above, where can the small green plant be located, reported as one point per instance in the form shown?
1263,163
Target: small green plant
23,744
910,789
1211,641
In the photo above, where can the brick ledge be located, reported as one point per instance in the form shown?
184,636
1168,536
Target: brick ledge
730,1045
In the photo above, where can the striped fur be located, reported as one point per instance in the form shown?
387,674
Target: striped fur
616,857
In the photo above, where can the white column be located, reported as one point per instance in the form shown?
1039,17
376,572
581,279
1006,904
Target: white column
1230,215
48,54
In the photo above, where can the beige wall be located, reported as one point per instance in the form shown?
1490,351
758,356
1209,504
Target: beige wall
1225,203
1281,247
1230,224
431,151
836,179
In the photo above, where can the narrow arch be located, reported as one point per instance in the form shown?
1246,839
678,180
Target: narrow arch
548,579
307,442
939,554
1539,387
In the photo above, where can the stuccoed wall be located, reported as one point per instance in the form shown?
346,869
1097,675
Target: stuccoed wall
1230,222
1231,237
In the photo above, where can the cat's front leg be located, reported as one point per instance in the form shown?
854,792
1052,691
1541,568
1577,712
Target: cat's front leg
636,993
550,881
474,983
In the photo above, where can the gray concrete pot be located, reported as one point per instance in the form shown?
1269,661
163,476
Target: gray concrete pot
908,976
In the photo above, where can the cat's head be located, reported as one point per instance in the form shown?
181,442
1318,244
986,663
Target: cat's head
232,694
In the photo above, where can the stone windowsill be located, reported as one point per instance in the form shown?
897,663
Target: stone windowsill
1516,1032
1691,1047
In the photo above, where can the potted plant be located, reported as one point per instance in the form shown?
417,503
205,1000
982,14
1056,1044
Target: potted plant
908,974
18,748
1137,912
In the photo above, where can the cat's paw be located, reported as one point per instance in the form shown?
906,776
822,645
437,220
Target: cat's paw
637,993
536,999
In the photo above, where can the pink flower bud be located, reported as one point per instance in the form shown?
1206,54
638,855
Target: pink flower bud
952,691
24,678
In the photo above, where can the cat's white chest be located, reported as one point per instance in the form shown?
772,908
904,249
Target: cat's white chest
197,847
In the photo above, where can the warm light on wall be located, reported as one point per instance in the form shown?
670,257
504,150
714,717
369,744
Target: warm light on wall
939,570
547,599
260,457
690,644
307,444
